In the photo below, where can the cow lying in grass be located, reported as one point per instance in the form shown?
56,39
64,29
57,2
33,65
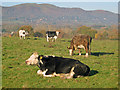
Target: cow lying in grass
80,41
51,66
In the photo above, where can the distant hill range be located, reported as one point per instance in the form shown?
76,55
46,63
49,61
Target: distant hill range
50,14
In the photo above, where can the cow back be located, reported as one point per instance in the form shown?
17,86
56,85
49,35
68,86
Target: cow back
51,33
81,39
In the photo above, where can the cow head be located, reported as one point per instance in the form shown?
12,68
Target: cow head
26,32
33,60
57,33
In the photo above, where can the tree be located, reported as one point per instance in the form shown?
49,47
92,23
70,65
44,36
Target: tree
27,28
3,30
101,35
43,32
91,32
83,29
105,35
87,30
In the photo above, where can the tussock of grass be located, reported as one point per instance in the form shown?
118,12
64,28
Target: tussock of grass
16,74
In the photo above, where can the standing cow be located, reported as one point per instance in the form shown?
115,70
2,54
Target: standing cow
80,41
22,33
52,35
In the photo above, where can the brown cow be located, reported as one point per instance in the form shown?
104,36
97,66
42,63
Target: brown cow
80,41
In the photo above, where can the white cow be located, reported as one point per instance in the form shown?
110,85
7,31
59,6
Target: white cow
22,33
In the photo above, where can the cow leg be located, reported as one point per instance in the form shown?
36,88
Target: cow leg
89,50
55,40
69,75
39,72
79,53
47,39
24,37
52,39
71,51
55,37
47,73
86,55
86,51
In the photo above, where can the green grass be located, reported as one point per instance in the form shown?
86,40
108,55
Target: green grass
16,74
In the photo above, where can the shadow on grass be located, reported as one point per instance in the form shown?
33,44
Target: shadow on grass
100,53
93,72
95,53
28,38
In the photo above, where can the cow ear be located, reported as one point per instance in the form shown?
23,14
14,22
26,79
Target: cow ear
39,57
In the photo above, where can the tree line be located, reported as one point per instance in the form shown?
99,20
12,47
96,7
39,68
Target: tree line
66,31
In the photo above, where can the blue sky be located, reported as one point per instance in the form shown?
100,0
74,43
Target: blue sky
109,5
60,0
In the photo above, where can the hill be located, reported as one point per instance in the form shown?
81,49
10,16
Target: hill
50,14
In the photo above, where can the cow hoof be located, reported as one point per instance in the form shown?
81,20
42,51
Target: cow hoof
39,72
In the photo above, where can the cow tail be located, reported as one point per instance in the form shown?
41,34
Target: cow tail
90,40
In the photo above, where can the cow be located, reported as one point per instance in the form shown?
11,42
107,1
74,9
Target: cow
22,33
80,41
12,33
52,66
52,35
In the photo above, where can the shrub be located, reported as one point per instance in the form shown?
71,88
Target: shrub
27,28
37,34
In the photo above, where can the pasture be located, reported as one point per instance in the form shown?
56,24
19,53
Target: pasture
16,74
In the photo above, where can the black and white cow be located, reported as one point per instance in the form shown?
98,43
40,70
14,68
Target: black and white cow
52,35
51,66
80,41
22,33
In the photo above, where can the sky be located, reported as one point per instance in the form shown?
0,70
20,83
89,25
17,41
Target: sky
109,5
60,0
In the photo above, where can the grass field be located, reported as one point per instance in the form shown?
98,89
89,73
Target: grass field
16,74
